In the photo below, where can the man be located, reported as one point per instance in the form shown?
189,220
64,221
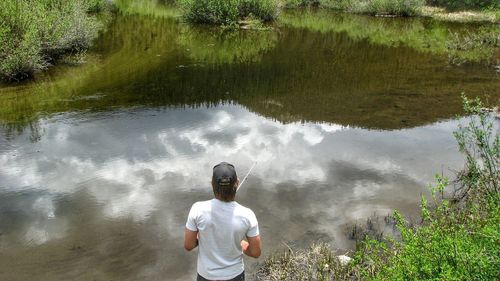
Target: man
219,227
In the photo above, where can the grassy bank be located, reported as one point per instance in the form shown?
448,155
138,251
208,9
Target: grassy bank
457,238
230,12
374,7
450,10
34,34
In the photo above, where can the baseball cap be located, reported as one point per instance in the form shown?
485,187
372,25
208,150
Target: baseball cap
224,175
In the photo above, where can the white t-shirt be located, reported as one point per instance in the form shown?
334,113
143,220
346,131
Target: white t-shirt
221,226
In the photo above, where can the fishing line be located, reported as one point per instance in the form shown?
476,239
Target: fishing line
246,176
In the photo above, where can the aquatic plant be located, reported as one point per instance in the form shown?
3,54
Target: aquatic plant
34,33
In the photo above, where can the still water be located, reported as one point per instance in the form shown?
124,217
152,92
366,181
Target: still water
100,161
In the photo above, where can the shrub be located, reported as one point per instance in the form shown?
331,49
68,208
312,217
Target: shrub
210,11
20,42
332,4
458,237
456,240
226,12
265,10
34,33
389,7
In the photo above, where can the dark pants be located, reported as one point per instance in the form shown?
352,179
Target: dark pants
240,277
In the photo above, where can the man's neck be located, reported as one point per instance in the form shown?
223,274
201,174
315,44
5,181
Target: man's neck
231,200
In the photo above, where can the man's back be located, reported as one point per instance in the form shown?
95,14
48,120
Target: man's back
221,226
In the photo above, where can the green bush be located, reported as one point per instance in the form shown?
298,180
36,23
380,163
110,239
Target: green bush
34,33
458,237
466,4
389,7
265,10
226,12
331,4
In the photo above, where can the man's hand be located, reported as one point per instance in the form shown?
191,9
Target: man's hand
244,245
252,247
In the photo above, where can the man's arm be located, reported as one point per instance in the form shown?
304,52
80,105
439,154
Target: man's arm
190,239
252,248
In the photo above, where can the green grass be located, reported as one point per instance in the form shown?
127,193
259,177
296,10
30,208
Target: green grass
155,8
466,4
33,34
390,7
374,7
227,12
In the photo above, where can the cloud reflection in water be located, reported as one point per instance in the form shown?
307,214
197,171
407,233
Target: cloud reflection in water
141,170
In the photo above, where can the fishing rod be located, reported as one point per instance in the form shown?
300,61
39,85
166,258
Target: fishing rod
246,176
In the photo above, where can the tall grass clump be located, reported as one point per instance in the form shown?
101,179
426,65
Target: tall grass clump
226,12
34,33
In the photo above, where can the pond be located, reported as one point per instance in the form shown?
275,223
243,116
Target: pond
347,116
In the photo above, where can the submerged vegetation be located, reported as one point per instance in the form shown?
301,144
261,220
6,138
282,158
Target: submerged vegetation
35,33
457,239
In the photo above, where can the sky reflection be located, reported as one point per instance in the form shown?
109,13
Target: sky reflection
112,190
